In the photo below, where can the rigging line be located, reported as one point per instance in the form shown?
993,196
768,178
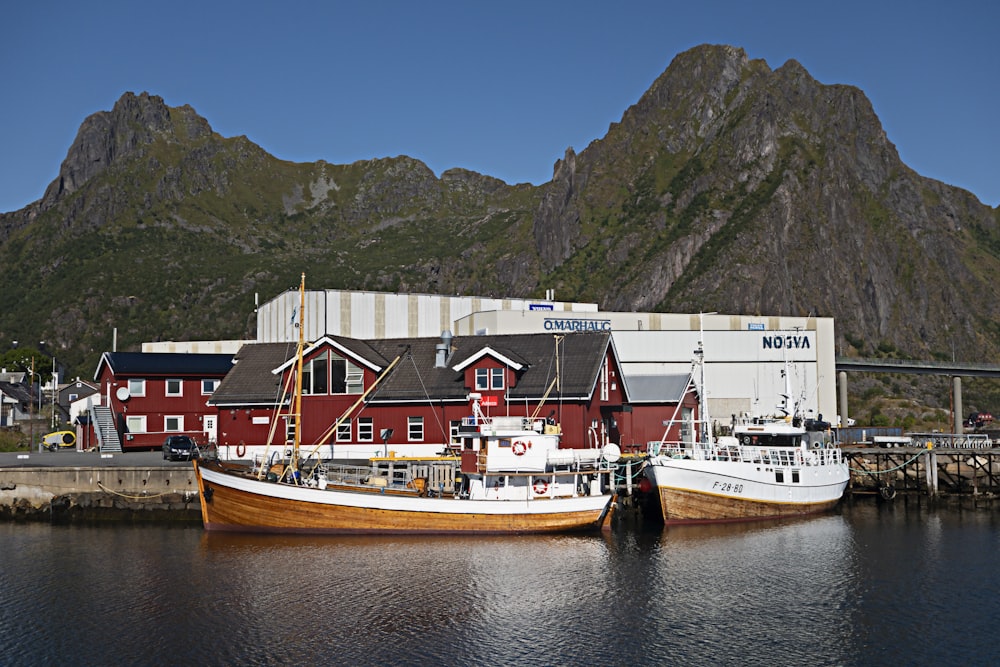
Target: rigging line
430,402
274,423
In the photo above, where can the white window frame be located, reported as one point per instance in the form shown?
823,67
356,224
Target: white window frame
496,379
344,431
173,394
177,428
354,379
135,423
415,429
366,429
137,386
206,383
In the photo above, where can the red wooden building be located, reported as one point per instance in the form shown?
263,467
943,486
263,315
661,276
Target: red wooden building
153,395
416,409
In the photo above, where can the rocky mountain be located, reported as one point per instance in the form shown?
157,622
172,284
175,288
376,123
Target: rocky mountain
727,187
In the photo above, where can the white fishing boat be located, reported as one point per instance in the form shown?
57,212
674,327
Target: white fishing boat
510,476
772,467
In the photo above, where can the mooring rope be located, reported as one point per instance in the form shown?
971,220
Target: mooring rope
879,472
128,497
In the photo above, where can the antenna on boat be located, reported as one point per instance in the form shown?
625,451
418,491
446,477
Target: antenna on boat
699,353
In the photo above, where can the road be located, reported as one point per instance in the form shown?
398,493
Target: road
75,459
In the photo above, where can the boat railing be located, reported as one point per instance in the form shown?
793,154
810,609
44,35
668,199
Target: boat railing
779,456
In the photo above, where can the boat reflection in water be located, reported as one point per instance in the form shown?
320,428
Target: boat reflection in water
865,584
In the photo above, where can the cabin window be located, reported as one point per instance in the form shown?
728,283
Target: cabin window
175,388
173,423
415,429
779,477
366,429
135,423
489,379
795,477
344,431
137,387
455,428
208,387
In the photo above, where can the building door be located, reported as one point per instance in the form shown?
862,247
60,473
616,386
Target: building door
210,428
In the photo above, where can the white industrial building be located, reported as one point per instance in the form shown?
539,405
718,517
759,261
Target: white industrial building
745,355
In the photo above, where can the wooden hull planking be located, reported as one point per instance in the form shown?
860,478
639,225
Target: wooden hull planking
683,506
231,503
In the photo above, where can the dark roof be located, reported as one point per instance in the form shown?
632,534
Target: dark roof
17,391
251,379
415,377
164,363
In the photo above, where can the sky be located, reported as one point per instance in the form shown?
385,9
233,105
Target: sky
502,88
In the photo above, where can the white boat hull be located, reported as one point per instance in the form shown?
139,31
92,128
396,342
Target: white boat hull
692,491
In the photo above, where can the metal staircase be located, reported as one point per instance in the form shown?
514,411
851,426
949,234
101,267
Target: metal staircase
104,424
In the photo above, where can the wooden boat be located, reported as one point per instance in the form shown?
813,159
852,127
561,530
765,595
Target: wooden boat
768,468
513,478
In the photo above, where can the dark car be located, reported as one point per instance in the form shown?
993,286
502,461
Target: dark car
179,448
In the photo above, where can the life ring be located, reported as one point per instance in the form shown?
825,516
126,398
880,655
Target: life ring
519,448
241,450
540,487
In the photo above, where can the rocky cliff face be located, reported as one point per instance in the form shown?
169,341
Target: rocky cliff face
728,186
736,188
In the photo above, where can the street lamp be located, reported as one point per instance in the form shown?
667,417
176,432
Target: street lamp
55,392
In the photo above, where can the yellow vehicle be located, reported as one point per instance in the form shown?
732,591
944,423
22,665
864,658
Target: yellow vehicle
59,440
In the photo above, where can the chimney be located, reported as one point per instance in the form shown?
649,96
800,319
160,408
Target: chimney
443,350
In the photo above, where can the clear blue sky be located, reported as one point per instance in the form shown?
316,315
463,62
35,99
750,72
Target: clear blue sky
502,88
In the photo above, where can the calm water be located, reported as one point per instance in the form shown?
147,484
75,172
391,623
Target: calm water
870,585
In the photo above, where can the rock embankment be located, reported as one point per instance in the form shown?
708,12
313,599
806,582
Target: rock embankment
79,494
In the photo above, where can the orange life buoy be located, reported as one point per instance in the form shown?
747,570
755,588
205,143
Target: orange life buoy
519,448
540,486
241,449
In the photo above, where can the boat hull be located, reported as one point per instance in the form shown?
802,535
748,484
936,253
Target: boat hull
692,491
232,502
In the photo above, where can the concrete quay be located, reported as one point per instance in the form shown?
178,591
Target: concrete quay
66,487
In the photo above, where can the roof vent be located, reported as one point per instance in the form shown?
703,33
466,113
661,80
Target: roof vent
443,350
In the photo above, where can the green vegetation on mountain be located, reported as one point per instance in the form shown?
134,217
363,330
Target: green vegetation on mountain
727,187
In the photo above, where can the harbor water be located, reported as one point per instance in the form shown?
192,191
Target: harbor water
870,584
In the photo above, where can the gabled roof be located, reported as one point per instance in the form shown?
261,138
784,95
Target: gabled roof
164,364
508,359
416,377
655,388
16,391
357,351
252,379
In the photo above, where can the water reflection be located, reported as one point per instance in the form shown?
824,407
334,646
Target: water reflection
873,584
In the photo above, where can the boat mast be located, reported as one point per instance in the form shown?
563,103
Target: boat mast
297,414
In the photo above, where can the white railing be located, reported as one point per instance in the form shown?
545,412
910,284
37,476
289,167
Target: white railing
778,456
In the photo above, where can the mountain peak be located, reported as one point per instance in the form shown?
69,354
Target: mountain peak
105,137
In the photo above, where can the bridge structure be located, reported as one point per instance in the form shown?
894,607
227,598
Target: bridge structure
956,371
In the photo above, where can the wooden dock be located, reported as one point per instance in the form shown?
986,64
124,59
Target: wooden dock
926,470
